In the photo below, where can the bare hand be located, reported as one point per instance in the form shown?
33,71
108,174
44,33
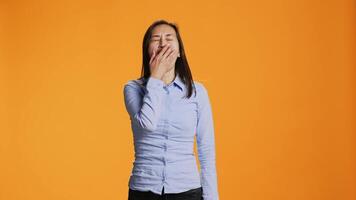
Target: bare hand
163,62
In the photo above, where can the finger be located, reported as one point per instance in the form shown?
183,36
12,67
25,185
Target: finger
168,53
171,53
152,57
169,50
163,51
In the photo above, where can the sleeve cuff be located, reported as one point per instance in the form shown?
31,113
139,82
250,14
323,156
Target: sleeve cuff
154,83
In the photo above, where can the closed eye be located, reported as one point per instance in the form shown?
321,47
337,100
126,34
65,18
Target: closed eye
158,40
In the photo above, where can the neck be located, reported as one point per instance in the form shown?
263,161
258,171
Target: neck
169,77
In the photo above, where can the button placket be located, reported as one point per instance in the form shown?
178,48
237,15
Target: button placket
166,124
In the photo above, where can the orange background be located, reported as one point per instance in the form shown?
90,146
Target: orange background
280,75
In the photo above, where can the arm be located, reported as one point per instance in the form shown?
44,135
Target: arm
145,110
206,147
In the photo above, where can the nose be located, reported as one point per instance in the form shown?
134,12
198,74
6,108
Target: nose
162,43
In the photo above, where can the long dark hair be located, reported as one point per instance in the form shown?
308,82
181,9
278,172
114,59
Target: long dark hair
181,66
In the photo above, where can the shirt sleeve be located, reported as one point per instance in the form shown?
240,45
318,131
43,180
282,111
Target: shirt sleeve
145,110
206,147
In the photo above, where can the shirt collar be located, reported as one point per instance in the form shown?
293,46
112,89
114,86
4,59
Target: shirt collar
178,81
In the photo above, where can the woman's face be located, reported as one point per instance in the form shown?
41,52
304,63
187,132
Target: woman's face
161,36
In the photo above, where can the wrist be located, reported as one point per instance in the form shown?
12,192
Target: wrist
157,76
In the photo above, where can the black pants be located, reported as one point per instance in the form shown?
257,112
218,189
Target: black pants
193,194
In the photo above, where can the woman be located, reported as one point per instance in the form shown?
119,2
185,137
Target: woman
165,117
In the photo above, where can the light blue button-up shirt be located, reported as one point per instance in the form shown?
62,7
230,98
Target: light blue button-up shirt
164,125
